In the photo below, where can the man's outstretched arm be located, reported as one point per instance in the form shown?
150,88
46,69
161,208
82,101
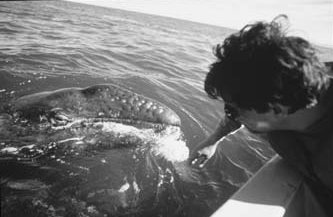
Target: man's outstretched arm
206,149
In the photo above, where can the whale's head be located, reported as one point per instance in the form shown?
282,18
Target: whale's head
99,101
103,150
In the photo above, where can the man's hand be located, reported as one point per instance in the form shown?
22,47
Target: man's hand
205,150
201,154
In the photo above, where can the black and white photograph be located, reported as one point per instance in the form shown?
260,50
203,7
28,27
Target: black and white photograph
166,108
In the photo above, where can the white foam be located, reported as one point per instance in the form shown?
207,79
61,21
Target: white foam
10,150
172,149
169,143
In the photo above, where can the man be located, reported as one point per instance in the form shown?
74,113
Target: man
274,84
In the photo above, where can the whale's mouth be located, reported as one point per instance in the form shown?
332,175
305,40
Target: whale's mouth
65,122
167,139
69,131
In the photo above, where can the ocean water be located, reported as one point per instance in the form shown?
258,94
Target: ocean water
50,45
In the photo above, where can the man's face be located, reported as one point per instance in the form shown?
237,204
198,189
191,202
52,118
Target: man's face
257,122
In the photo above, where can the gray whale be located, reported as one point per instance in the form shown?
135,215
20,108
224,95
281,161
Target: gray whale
96,151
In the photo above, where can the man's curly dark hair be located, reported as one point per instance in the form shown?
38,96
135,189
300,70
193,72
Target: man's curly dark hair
260,66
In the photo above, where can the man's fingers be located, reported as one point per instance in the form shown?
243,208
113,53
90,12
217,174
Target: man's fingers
200,160
202,164
194,161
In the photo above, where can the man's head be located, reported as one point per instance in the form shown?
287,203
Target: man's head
260,67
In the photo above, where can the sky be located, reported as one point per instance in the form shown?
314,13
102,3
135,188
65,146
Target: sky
311,19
